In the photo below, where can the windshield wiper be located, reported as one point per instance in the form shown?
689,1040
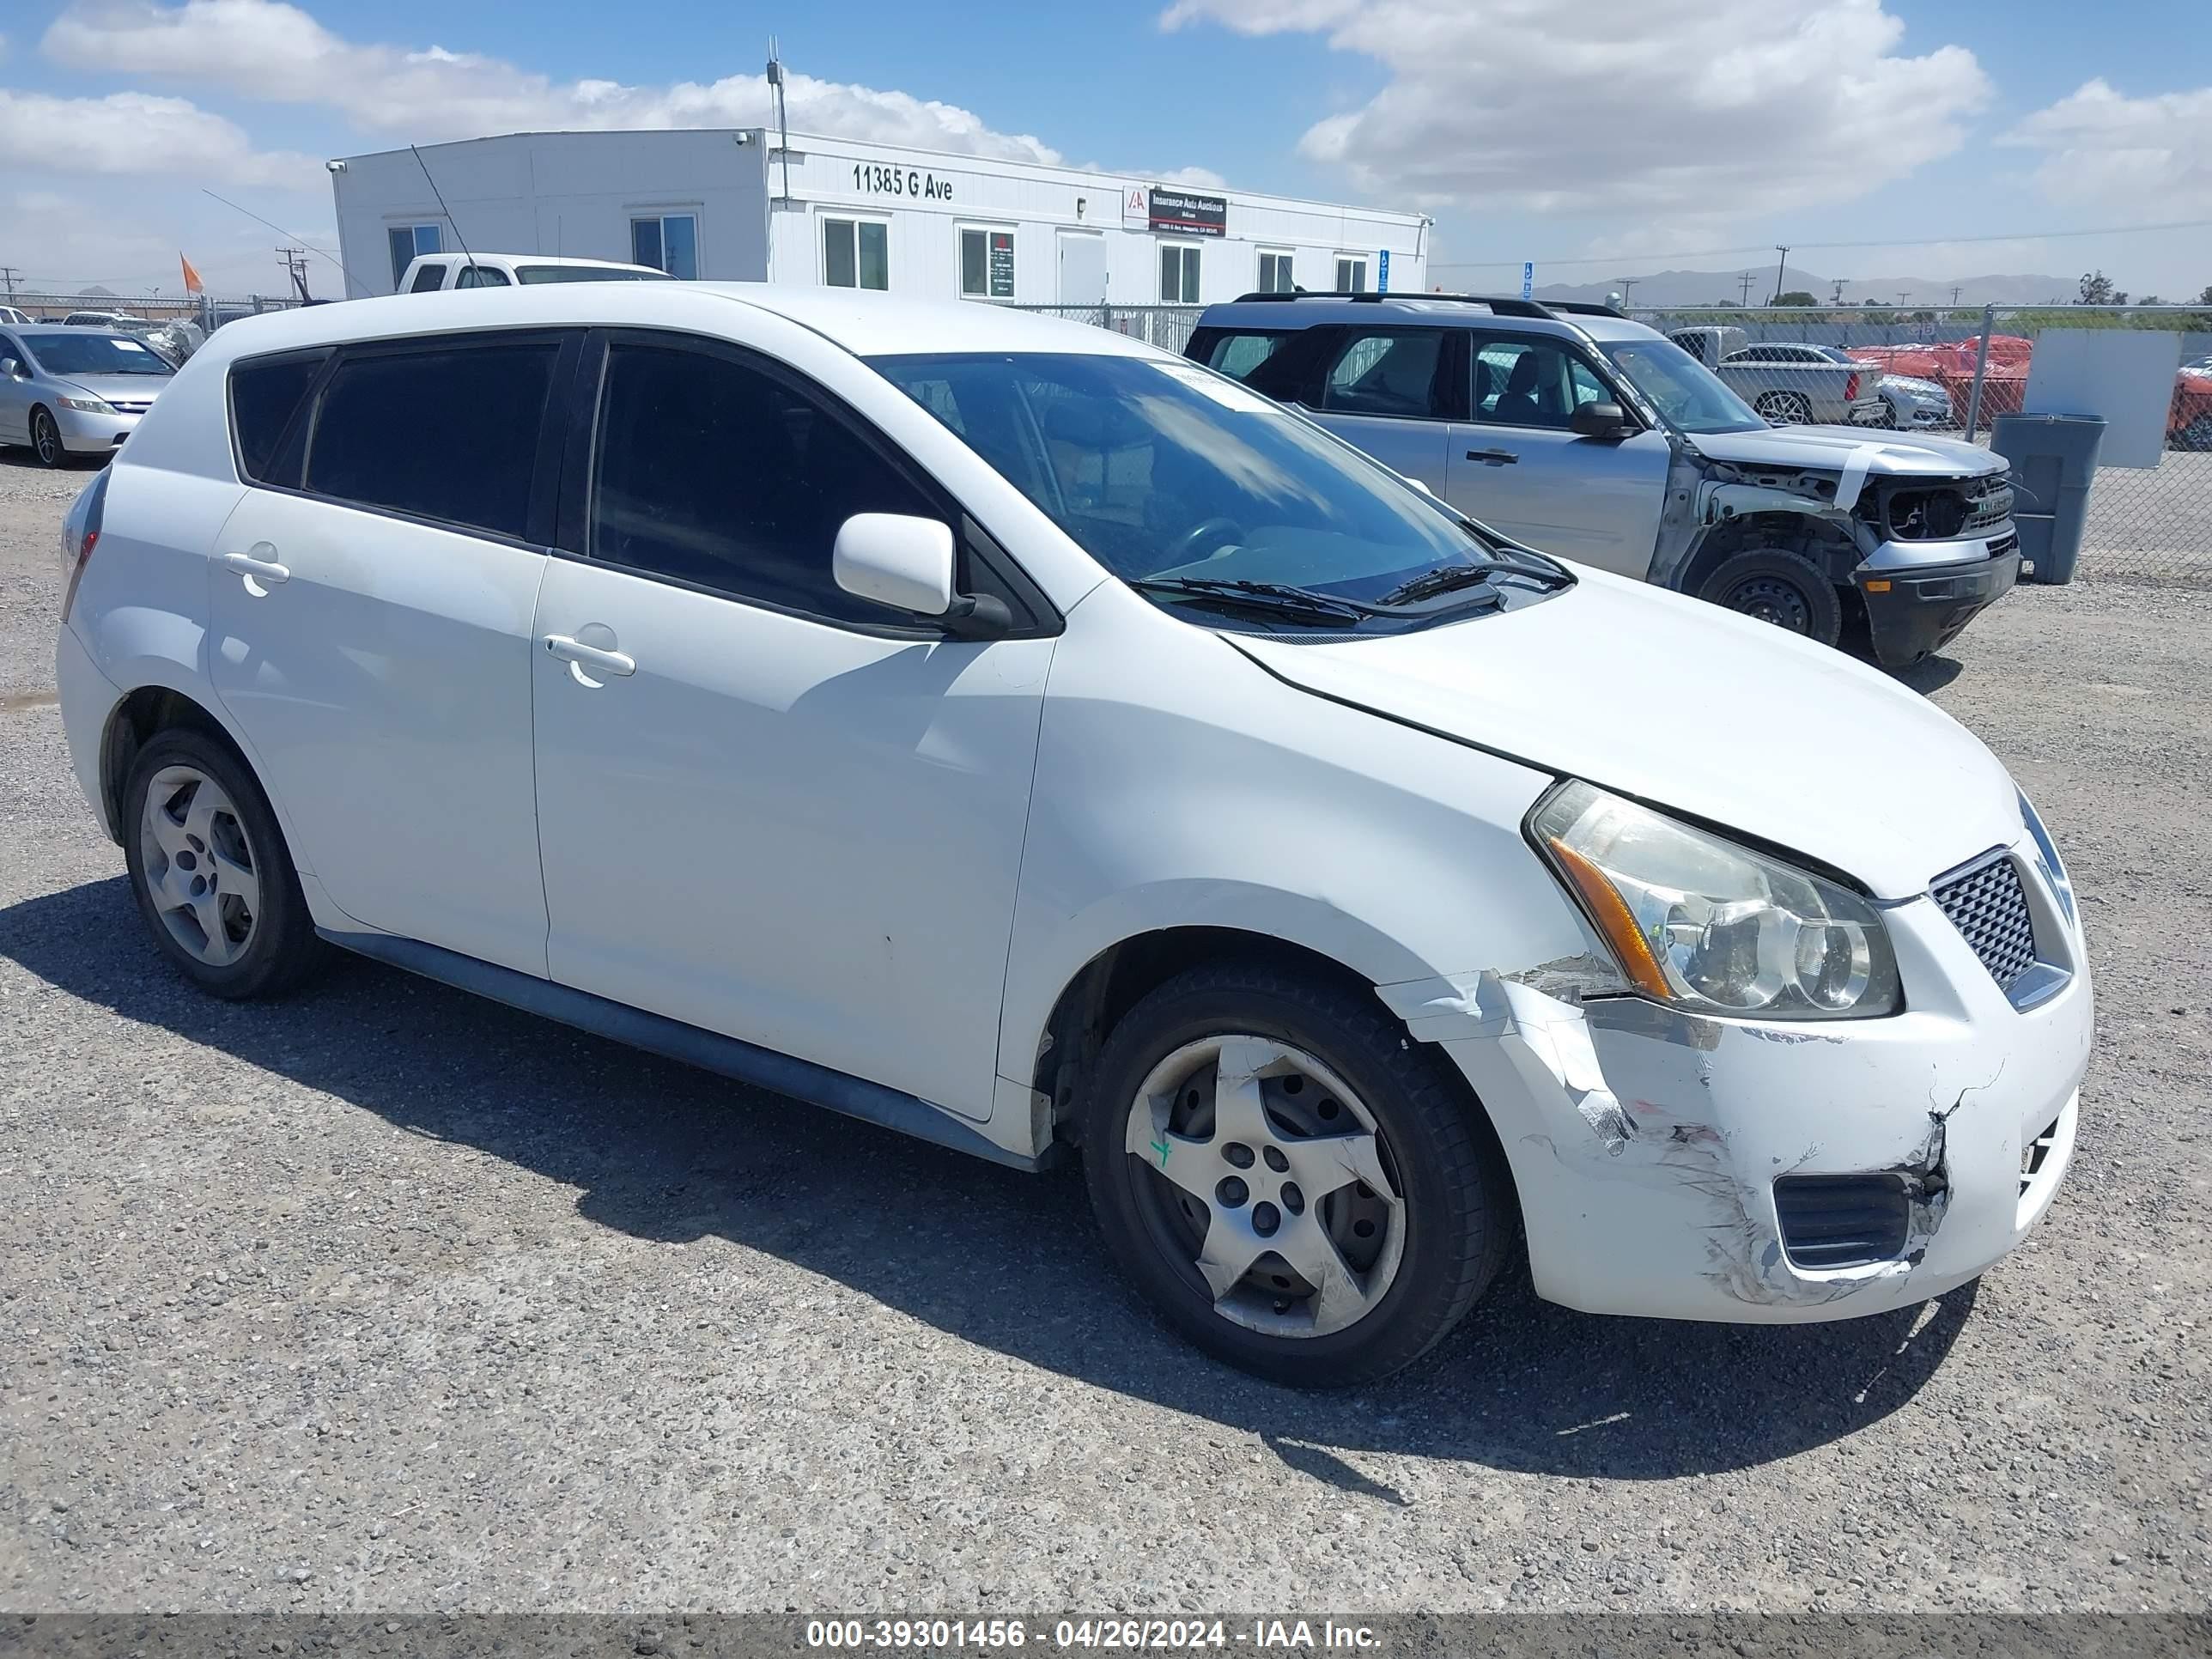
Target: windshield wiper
1451,578
1274,599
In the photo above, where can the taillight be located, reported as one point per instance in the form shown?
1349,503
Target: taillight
1851,386
79,535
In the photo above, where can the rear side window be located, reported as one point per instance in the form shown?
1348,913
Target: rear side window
430,277
719,475
1389,373
481,277
450,434
265,396
1240,355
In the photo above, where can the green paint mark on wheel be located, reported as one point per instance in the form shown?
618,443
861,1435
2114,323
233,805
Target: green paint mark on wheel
1162,1148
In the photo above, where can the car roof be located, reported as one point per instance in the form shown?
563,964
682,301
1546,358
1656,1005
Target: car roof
76,331
1489,313
865,323
453,255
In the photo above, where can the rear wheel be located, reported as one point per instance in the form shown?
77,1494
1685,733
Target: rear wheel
210,871
1779,587
2196,435
1785,408
1290,1182
47,439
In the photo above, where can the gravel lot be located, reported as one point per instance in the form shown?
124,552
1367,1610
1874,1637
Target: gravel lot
391,1299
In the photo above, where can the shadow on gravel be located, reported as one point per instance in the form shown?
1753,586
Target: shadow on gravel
1007,1260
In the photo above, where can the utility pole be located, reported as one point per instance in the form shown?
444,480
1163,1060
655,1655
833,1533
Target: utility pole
9,274
296,270
1838,297
1901,293
1626,284
1744,282
1955,288
1779,265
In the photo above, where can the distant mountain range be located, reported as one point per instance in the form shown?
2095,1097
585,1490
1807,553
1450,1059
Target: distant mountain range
1706,287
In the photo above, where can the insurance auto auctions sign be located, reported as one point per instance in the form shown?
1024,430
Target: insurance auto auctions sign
1189,213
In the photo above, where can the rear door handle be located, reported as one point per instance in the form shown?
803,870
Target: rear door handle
1493,457
259,568
590,656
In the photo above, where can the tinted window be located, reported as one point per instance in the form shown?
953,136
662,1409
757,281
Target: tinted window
717,473
430,277
481,277
262,397
450,434
94,354
1387,373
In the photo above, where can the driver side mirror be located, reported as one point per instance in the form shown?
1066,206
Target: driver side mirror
1605,420
12,370
908,563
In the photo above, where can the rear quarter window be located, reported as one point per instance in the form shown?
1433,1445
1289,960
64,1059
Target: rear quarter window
265,395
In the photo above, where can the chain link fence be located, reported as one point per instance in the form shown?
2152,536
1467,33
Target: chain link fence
1166,326
209,311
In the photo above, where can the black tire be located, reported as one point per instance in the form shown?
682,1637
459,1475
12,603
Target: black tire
282,948
1779,587
46,440
2196,435
1457,1218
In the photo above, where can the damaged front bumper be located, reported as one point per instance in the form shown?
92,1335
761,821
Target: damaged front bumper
1678,1166
1915,608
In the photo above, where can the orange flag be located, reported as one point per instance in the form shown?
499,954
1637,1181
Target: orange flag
192,276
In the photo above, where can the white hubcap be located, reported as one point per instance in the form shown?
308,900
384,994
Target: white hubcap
200,869
1274,1165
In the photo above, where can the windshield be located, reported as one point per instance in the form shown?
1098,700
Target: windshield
587,274
1165,470
1688,396
93,353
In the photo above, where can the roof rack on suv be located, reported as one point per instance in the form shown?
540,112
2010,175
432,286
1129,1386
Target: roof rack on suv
1500,305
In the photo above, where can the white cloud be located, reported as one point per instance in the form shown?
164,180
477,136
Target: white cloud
1712,106
273,53
2126,155
132,133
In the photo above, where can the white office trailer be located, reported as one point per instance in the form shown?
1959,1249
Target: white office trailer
726,204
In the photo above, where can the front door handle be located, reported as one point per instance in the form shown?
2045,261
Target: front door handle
1493,457
582,656
259,568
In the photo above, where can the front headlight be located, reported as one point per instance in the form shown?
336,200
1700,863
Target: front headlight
1704,925
2046,854
87,405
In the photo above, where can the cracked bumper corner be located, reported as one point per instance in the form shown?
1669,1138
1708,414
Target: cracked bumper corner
1645,1143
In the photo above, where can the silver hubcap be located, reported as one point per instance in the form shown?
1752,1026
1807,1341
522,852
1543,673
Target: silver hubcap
1267,1176
1785,406
200,868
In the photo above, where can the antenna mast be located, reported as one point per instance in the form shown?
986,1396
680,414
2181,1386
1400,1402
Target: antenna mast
782,131
443,208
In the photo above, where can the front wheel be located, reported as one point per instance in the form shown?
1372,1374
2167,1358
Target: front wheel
2196,435
46,440
1290,1182
1776,586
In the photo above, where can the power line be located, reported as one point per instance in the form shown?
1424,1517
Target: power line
1754,247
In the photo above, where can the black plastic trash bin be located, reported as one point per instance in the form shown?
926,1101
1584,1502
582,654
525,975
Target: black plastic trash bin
2053,457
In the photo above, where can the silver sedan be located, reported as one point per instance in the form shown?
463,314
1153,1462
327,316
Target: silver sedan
69,391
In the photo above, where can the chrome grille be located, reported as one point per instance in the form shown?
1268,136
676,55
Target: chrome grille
1990,907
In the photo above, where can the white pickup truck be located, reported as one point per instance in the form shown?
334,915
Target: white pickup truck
431,272
1788,383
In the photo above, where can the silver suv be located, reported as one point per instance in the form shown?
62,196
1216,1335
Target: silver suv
1573,430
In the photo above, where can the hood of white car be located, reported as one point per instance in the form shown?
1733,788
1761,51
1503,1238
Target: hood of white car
1687,706
1834,447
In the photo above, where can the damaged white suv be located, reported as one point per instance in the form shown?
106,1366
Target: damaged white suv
1020,738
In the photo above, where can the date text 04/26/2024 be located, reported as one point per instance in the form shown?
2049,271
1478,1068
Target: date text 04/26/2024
1135,1635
